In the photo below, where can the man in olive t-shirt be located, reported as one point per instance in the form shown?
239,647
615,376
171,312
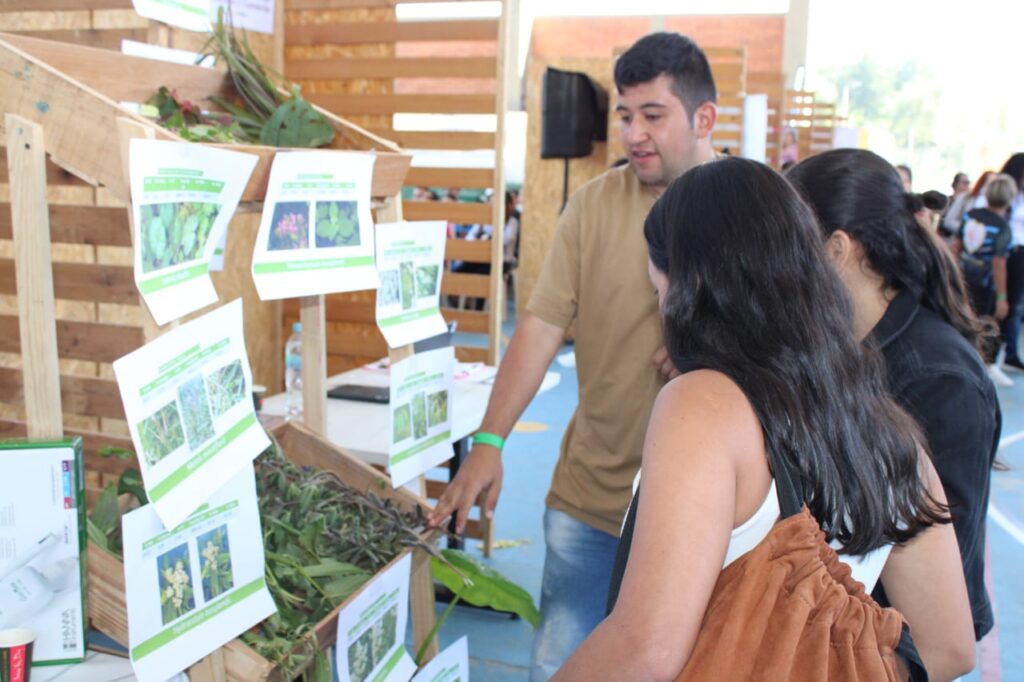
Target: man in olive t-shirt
595,275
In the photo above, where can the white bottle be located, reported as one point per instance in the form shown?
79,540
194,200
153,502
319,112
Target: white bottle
293,373
28,590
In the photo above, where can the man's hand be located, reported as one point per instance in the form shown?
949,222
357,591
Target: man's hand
1002,309
480,472
664,364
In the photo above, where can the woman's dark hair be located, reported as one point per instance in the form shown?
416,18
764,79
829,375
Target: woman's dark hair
858,192
1014,167
672,54
752,295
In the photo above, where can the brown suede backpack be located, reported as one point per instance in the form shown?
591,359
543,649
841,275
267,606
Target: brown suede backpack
789,610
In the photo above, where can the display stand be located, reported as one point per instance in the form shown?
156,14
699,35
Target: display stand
62,101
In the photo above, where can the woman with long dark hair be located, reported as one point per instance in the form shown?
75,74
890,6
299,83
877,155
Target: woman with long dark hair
760,327
910,303
1014,167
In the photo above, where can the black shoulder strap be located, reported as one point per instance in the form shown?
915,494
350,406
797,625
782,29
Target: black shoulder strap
908,652
786,477
622,553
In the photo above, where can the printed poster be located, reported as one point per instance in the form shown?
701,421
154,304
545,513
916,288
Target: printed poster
188,400
197,586
250,15
451,665
410,262
421,413
193,15
183,197
371,630
316,233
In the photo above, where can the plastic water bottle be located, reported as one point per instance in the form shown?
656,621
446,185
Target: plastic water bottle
293,373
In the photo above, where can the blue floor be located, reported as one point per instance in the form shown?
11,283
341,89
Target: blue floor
500,648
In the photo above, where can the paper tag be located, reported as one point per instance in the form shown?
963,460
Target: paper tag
183,197
316,232
410,263
451,665
421,413
194,588
193,15
371,630
249,15
188,401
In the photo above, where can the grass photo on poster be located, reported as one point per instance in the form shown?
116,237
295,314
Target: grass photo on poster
419,416
227,387
402,423
215,562
437,408
175,232
426,281
370,650
388,293
175,576
160,433
337,224
408,285
195,412
289,228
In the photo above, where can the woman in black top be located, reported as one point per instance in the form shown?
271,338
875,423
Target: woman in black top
760,327
910,302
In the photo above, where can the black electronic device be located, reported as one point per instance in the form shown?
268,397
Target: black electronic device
574,113
364,394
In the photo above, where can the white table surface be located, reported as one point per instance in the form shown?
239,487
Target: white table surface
96,668
364,429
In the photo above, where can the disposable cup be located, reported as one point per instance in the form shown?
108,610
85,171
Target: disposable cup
16,654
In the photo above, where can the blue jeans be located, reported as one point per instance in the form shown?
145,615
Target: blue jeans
574,591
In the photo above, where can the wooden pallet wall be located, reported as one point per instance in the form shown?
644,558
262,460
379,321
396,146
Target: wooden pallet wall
356,58
773,85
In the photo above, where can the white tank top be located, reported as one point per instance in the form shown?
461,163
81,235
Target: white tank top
865,567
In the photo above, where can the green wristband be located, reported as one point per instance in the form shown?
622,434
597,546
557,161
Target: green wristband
491,439
1000,297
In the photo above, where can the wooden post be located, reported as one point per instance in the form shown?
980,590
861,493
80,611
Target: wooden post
26,163
422,604
314,364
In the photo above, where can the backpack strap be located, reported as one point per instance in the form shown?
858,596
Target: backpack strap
790,500
908,652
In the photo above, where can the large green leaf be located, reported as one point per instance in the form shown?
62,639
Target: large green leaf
296,124
105,513
131,483
481,585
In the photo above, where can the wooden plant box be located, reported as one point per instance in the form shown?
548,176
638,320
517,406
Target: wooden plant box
73,92
106,590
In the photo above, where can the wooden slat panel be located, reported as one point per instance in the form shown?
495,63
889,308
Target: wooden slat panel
413,104
727,72
82,282
438,139
342,308
460,213
92,442
392,32
474,251
470,321
465,284
345,4
451,177
79,395
343,340
88,341
105,39
62,5
55,175
391,67
470,354
94,225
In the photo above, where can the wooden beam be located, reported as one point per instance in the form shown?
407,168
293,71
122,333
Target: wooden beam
465,284
26,161
93,225
345,4
62,5
470,354
82,282
344,68
55,175
92,443
462,213
343,104
104,39
79,395
90,341
314,364
392,32
410,139
451,177
474,251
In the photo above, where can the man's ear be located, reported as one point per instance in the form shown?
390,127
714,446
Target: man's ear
840,249
704,119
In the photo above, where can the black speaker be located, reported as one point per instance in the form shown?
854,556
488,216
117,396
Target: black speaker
574,113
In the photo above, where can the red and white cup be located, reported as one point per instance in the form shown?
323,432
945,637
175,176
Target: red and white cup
16,654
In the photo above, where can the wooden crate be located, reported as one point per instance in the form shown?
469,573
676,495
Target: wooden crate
106,599
73,92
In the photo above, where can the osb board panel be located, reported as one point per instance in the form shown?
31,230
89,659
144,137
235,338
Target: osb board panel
542,186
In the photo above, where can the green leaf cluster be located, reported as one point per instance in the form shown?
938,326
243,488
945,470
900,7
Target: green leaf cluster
337,223
161,433
195,412
174,233
426,280
227,387
437,407
408,282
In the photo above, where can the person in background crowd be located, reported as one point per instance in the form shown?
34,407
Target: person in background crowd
909,302
982,245
766,344
1014,167
595,275
790,152
906,177
953,217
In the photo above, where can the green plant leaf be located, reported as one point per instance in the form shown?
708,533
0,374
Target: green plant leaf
156,234
96,535
481,585
326,229
131,483
190,234
106,515
334,212
114,451
328,568
296,124
341,588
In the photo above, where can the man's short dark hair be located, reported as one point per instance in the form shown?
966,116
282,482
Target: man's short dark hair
672,54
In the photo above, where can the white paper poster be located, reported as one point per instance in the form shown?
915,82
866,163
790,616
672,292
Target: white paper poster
250,15
166,54
410,262
316,233
451,665
217,259
193,15
371,630
421,413
197,586
183,197
188,400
